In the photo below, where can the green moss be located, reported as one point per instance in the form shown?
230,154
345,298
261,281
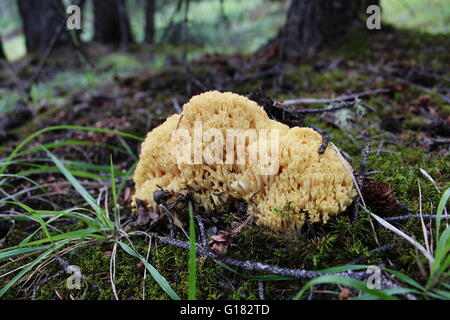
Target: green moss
445,110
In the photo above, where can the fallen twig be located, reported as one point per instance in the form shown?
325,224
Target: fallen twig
360,175
261,290
176,105
340,98
325,140
333,107
425,89
203,236
411,216
404,207
379,249
258,266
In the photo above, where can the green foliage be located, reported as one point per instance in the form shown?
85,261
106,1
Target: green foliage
7,100
431,16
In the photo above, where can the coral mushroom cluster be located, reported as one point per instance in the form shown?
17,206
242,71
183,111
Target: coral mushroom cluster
276,167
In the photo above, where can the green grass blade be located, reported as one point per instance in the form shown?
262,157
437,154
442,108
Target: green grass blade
359,285
31,266
12,253
42,223
445,294
71,143
89,233
128,174
391,291
45,169
71,165
114,194
343,268
53,216
19,177
192,266
95,167
440,209
442,258
153,272
82,191
53,128
128,149
436,296
405,278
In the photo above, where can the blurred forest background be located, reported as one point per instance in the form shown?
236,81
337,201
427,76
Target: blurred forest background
129,35
225,26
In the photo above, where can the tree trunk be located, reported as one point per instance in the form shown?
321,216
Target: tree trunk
42,24
362,5
111,22
150,21
311,25
2,53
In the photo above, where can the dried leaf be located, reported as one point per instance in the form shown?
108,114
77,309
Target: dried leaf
221,242
345,294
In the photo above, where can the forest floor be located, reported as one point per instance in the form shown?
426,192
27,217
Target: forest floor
407,125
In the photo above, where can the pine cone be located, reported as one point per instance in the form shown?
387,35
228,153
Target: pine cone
379,197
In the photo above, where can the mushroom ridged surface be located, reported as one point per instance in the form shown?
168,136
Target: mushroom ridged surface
278,168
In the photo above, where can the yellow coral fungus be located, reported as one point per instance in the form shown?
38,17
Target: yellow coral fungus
225,143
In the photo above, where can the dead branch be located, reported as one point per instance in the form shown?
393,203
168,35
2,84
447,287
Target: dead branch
363,164
360,175
411,216
203,236
176,105
424,89
340,98
371,252
261,290
258,266
331,108
325,141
